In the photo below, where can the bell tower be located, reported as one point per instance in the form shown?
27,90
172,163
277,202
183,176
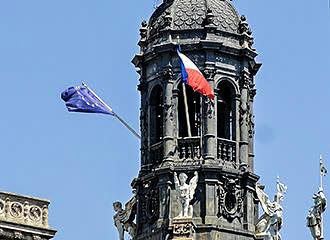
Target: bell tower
219,154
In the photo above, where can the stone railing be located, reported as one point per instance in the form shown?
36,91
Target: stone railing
226,150
190,148
156,152
24,210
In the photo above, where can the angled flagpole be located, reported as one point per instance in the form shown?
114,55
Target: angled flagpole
321,188
186,108
113,113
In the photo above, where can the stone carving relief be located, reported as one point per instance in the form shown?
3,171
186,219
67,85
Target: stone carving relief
150,203
2,206
182,229
185,192
18,235
16,209
160,23
35,213
123,219
230,198
169,110
45,215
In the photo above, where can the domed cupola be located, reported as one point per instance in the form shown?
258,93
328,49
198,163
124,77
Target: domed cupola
183,19
192,15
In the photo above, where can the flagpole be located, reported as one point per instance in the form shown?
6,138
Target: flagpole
321,188
113,113
186,108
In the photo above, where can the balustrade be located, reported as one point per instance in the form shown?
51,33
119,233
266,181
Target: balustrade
226,150
190,148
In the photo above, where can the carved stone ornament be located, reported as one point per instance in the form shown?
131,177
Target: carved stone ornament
35,213
2,206
18,235
150,203
169,110
124,218
185,192
143,29
230,199
36,237
183,228
16,209
210,108
245,30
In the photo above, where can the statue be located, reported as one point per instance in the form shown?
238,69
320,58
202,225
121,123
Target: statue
123,219
185,192
270,223
314,217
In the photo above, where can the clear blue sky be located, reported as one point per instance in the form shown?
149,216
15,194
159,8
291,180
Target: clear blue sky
83,163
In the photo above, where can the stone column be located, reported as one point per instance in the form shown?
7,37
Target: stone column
252,94
209,119
143,88
244,111
169,143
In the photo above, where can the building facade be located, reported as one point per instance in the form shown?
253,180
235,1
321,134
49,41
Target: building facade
23,217
220,147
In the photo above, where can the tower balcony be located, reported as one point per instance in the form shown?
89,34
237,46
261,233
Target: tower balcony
190,148
226,150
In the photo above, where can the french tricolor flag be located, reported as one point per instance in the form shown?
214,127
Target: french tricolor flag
193,77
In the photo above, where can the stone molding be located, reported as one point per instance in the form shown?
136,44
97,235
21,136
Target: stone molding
24,210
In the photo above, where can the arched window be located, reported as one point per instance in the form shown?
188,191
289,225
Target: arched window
226,111
194,109
156,115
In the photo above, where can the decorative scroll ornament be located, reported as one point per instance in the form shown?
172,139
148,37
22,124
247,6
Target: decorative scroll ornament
185,192
230,200
123,219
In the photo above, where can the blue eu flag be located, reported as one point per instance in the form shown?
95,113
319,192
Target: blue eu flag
81,99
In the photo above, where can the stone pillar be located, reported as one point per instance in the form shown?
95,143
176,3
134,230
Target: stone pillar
142,87
252,94
169,143
209,119
244,111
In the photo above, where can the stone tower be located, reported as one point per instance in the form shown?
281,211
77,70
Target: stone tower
219,41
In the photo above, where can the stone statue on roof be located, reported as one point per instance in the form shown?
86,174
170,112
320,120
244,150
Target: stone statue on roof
124,218
270,223
185,192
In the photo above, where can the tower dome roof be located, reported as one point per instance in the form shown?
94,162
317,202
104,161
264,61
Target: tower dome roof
193,14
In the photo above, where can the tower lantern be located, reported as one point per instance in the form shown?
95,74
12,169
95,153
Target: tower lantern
215,163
